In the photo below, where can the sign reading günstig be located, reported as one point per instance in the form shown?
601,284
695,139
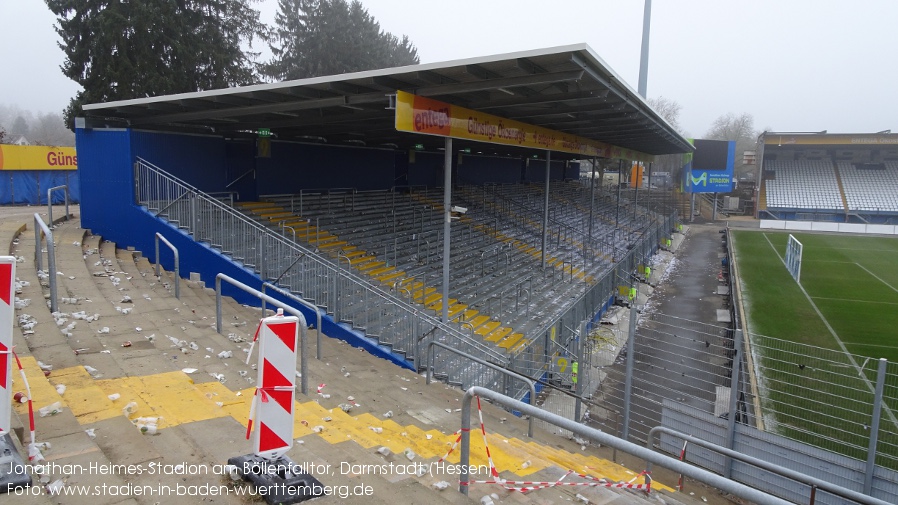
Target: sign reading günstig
418,114
710,168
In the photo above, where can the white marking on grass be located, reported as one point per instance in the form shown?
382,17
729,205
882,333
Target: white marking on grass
877,277
853,301
835,335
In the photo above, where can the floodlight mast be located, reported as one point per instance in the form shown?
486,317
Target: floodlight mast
644,55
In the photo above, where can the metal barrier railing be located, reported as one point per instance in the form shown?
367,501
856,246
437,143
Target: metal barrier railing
305,304
342,293
50,202
174,251
509,373
41,228
701,475
812,482
302,320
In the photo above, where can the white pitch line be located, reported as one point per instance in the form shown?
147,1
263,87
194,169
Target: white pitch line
877,277
835,335
853,301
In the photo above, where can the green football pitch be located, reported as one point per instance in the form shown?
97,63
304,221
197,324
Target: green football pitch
821,334
851,280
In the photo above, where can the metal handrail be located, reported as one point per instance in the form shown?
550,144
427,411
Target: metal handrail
174,251
726,485
764,465
41,227
302,302
50,202
347,274
430,359
262,296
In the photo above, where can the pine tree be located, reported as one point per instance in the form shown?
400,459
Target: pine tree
124,49
329,37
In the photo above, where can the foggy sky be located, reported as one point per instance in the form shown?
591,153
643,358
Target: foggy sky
794,65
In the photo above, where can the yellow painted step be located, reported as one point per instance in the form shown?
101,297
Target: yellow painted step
382,270
511,340
358,261
332,245
479,320
438,305
352,252
274,216
254,205
486,328
467,316
456,309
390,277
432,297
370,265
497,334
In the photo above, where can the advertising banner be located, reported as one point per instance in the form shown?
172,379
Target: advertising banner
14,157
710,168
417,114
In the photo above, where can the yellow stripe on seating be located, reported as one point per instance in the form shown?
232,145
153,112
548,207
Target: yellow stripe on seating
511,340
486,328
497,334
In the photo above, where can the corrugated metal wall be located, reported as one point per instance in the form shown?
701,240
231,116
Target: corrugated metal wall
825,465
294,166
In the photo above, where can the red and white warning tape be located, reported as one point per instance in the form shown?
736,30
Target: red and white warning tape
30,403
527,486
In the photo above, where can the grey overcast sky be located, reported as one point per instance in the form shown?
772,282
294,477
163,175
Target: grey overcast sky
795,65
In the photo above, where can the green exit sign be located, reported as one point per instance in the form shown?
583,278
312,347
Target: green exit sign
263,132
419,147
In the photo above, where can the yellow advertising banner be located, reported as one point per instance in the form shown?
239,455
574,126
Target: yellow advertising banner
418,114
835,139
37,158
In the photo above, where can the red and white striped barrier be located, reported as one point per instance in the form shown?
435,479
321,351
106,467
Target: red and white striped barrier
272,405
7,314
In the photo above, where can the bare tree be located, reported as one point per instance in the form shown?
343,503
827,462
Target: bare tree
740,128
50,130
669,110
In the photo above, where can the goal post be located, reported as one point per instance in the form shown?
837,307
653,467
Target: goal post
793,258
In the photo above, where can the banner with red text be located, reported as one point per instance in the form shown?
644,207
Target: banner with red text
14,157
418,114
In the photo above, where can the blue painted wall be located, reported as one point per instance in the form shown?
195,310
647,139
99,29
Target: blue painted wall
198,160
426,169
294,166
490,169
536,171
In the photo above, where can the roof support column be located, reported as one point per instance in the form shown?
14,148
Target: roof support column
546,208
447,211
592,194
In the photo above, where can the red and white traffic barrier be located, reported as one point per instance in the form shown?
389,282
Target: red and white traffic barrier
272,405
7,314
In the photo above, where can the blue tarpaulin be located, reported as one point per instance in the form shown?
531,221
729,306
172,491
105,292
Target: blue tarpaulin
29,187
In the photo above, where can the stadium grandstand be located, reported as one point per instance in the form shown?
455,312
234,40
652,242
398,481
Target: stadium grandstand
841,178
439,217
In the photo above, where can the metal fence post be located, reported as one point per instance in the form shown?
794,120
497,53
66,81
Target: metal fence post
581,368
874,426
41,227
734,401
628,379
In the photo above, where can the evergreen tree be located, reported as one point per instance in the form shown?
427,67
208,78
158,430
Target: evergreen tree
123,49
329,37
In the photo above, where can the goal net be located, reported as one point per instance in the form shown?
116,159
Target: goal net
793,258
